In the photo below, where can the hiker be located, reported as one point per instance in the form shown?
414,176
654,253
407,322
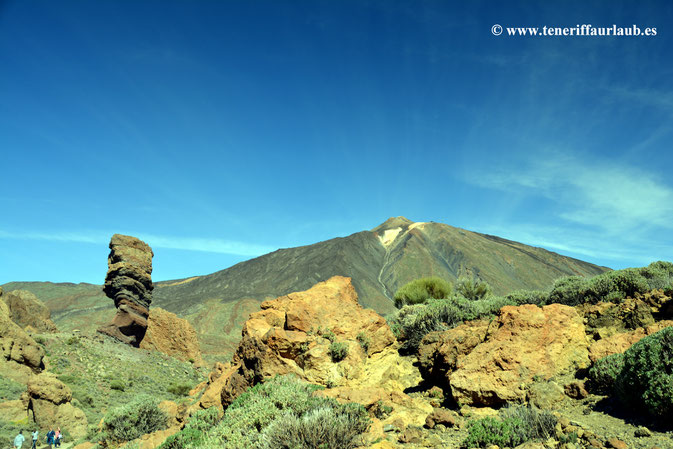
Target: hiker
35,434
57,437
50,437
18,441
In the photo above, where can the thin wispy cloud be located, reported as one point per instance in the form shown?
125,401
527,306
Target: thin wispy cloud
597,193
211,245
603,210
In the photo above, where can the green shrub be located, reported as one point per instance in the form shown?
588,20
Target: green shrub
488,431
328,334
183,439
612,286
179,388
517,424
338,351
325,427
646,380
473,289
420,290
130,421
604,373
520,297
118,385
364,341
195,429
252,412
535,424
411,323
569,290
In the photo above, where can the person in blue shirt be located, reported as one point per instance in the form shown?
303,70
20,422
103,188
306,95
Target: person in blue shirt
50,437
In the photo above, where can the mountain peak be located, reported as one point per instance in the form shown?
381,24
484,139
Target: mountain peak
392,223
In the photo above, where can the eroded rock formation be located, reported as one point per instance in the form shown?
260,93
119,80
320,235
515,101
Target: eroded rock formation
171,335
20,355
29,312
493,364
48,400
129,284
296,334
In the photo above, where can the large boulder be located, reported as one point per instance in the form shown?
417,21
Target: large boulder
296,334
29,312
129,284
492,364
171,335
19,353
49,401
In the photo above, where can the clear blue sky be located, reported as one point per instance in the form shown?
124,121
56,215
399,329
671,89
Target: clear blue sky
221,130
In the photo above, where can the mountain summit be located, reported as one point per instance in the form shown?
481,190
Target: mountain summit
378,262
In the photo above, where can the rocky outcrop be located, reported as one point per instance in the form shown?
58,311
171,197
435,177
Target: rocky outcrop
48,400
620,342
129,284
171,335
299,334
19,353
491,364
29,312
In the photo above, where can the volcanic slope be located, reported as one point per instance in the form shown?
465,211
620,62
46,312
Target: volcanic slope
379,261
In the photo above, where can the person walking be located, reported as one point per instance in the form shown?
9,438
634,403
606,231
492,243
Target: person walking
35,434
58,437
18,441
50,437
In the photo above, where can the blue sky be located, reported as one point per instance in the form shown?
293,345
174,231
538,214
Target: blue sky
221,130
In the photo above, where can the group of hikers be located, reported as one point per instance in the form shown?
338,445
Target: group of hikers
53,438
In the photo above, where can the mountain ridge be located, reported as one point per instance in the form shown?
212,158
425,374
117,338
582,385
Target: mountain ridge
379,261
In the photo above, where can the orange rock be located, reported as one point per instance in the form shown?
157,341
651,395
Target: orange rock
524,341
171,335
283,338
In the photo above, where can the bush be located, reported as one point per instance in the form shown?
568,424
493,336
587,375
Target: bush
473,289
130,421
646,379
420,290
325,427
517,425
412,323
613,285
604,373
364,341
338,351
488,431
535,424
520,297
179,389
246,419
193,433
118,385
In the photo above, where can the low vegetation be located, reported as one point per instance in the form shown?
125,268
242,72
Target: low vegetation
412,323
132,420
515,425
279,413
646,380
421,314
420,290
473,289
